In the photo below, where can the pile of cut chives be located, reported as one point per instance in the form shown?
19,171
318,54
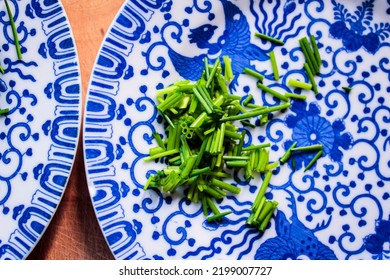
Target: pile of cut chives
203,112
17,45
203,145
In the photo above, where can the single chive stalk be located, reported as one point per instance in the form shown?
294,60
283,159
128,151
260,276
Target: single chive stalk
166,90
158,139
247,99
193,105
253,73
156,150
274,65
213,192
294,164
295,96
170,101
162,154
287,154
204,205
263,188
236,163
14,31
2,71
316,157
197,172
212,206
308,148
256,147
218,216
199,120
271,166
189,164
212,73
347,89
311,77
206,67
241,142
248,123
272,92
225,186
228,68
269,38
232,135
4,111
299,84
235,158
254,106
263,160
315,50
256,112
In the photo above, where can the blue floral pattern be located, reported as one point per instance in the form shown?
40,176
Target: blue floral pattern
330,211
310,128
39,135
355,30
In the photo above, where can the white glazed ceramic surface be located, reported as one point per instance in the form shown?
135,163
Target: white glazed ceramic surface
338,209
38,137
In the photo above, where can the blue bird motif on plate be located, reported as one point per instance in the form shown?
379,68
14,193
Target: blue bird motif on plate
234,42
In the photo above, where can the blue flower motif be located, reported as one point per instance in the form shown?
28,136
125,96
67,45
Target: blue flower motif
375,243
355,30
309,128
293,241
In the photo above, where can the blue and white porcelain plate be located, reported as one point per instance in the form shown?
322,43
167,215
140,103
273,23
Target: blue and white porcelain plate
39,135
339,209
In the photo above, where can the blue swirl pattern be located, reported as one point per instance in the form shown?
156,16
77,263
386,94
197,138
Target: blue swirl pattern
39,135
339,209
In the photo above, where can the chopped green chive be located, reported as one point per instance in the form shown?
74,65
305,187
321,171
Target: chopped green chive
347,89
269,38
315,50
274,65
162,154
295,96
316,157
159,141
267,218
4,111
213,71
308,148
287,154
256,147
203,101
272,92
14,31
299,84
247,99
262,190
228,68
218,216
253,73
309,55
311,77
225,186
203,140
212,206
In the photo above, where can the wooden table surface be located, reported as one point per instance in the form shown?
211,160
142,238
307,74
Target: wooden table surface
74,233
